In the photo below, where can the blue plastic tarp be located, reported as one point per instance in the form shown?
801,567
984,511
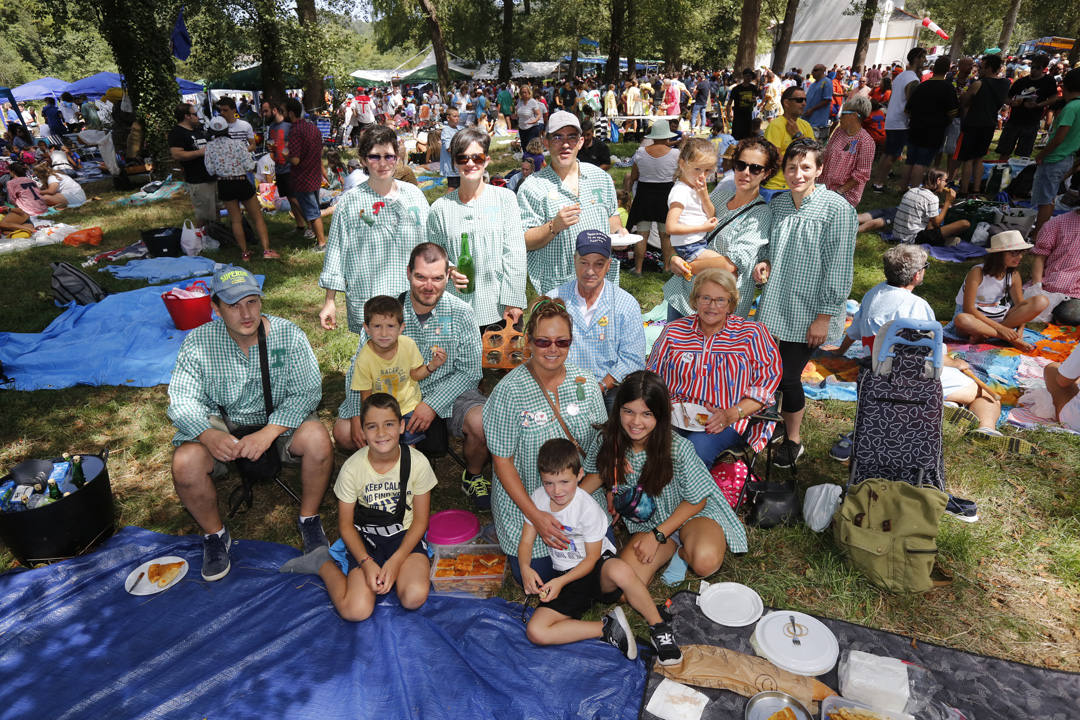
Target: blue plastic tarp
39,89
160,269
126,339
259,644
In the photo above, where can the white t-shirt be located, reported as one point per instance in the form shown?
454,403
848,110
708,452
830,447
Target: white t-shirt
884,303
365,109
241,130
71,190
895,117
692,214
582,520
1070,414
353,179
656,170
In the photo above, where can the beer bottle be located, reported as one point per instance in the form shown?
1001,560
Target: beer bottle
78,479
54,490
466,266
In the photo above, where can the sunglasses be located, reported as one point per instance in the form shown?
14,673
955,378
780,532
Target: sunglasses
475,158
798,100
385,158
754,168
561,343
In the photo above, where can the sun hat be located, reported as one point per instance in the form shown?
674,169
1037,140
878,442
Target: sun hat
660,130
232,284
560,119
1008,240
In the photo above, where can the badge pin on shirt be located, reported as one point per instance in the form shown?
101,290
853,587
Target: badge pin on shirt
366,218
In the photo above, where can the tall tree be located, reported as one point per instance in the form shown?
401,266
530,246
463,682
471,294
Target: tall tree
629,37
618,12
780,53
438,45
271,52
506,48
1008,26
311,68
746,50
866,26
958,37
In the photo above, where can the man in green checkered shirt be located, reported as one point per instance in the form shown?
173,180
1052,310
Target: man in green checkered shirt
559,202
451,402
217,387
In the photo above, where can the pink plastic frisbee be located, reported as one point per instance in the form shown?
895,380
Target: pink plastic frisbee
452,527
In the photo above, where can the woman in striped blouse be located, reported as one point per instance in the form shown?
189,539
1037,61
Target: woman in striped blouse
727,364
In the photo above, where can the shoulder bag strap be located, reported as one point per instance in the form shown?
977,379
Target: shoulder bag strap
264,364
555,409
404,471
716,230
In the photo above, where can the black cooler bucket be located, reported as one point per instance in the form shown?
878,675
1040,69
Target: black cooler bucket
68,527
163,242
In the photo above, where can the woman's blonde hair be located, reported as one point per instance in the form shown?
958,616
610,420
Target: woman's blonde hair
720,277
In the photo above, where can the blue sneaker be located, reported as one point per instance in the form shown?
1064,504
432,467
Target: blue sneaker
215,556
841,451
311,532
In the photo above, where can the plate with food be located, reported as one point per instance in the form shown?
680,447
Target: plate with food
775,705
689,416
619,241
156,575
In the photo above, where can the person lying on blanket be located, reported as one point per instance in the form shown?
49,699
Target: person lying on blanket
1062,382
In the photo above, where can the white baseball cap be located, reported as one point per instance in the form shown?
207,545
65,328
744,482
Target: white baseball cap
560,119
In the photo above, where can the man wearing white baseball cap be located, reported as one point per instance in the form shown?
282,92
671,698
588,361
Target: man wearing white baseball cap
560,201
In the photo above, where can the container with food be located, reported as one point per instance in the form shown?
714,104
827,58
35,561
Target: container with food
775,705
470,569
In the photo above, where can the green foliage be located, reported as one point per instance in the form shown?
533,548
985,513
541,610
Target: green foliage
36,45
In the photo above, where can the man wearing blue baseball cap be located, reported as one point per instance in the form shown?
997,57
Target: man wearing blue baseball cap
221,414
609,338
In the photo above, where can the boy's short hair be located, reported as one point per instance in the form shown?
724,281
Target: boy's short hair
382,400
383,305
556,455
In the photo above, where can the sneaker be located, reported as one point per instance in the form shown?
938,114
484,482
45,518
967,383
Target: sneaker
841,451
617,632
877,188
995,440
788,454
215,556
311,532
961,509
318,248
478,489
667,651
961,416
309,234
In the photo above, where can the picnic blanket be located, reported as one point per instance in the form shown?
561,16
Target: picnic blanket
160,269
126,339
164,192
261,644
961,252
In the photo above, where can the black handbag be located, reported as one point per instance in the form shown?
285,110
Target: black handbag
772,504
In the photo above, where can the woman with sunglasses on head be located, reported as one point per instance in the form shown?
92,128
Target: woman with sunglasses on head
743,218
541,399
807,274
658,485
375,227
490,217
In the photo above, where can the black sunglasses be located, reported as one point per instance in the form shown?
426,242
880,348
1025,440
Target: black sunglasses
754,168
795,99
562,343
477,158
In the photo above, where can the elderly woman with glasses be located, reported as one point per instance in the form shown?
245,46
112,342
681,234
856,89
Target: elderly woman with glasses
849,154
375,227
721,369
541,399
490,218
743,220
785,128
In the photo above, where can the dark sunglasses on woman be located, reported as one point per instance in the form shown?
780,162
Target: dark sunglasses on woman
741,165
562,343
476,158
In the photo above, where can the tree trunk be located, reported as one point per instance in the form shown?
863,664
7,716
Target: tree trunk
784,42
526,7
746,50
506,49
958,38
862,44
628,38
140,45
312,68
270,50
1008,26
437,43
572,70
618,11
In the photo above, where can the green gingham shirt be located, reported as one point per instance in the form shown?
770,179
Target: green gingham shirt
211,370
369,245
691,483
496,242
540,197
810,250
452,326
518,420
742,241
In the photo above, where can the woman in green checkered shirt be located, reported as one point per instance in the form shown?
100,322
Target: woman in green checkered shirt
659,486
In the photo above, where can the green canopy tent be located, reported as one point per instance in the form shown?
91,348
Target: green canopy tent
251,79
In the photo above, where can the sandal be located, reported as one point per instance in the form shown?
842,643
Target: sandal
245,255
270,255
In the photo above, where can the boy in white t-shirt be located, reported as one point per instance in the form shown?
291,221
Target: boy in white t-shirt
587,569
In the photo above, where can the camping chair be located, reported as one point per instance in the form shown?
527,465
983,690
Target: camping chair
242,497
750,457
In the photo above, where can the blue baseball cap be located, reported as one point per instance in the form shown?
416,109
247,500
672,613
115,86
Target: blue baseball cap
232,284
593,241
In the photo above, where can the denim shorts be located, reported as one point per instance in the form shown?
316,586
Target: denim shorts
690,252
1048,178
309,204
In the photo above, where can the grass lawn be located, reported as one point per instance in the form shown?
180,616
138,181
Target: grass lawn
1016,592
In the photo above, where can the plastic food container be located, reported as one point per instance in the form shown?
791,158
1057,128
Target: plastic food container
470,570
834,702
450,528
881,682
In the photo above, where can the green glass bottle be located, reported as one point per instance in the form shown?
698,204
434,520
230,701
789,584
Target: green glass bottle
466,266
54,490
78,479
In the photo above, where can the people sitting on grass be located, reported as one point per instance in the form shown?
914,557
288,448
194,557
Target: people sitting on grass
23,191
216,403
991,304
1063,383
1056,270
57,189
919,218
587,571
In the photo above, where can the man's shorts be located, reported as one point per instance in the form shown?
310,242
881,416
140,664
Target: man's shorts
380,548
952,134
1070,414
885,213
436,437
282,444
1018,138
576,598
309,204
895,140
953,380
1048,178
974,142
918,155
284,184
204,201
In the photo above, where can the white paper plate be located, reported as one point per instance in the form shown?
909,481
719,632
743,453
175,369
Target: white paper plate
142,586
624,241
731,604
816,652
684,416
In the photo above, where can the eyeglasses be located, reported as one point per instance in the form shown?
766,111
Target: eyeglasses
717,301
754,168
561,343
564,139
798,99
848,112
475,158
925,266
385,158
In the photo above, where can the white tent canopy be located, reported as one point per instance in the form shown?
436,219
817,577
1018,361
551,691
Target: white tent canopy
377,75
490,71
401,70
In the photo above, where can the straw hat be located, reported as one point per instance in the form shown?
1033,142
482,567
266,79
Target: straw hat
1008,240
660,130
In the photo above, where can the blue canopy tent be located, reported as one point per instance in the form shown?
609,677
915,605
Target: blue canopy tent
39,89
98,84
7,96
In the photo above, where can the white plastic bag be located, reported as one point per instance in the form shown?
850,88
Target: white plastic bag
191,239
820,504
52,234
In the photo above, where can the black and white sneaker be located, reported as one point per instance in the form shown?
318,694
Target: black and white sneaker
963,510
663,639
788,454
617,632
215,556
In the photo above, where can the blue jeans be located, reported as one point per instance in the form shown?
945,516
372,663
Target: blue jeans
1048,177
708,446
698,112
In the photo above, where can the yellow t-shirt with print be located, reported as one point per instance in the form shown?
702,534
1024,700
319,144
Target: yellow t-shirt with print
777,134
358,482
373,373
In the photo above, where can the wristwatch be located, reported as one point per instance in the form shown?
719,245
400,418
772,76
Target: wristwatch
659,535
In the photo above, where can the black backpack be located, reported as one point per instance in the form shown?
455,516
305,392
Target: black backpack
70,283
1020,187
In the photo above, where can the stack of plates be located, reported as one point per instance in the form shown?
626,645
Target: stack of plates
817,649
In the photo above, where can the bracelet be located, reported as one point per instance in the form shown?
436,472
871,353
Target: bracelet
426,367
552,228
738,408
361,563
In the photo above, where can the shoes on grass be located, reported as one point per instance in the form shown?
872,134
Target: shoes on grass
311,532
478,489
961,509
617,632
788,454
962,417
215,556
995,440
841,451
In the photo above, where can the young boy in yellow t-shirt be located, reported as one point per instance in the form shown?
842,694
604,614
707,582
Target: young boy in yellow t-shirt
390,362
